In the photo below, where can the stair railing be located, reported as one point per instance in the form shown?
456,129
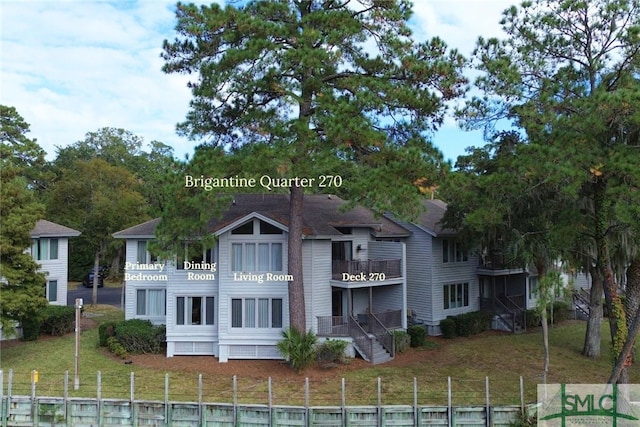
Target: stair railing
361,339
382,334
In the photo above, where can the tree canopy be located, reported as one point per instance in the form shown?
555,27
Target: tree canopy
104,201
327,87
21,286
566,76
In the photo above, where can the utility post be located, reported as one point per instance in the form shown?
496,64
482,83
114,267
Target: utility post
76,381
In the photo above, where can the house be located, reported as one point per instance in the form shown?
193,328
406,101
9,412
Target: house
50,249
442,277
445,279
230,300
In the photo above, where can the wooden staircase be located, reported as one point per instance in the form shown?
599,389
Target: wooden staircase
375,345
581,301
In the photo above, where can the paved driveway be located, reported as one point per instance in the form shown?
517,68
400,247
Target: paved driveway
110,296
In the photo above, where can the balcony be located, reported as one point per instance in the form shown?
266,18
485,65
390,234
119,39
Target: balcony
366,271
338,326
496,265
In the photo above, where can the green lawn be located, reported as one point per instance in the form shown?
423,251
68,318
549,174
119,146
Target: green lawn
503,358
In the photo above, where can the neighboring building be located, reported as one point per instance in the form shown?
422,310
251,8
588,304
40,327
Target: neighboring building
442,278
50,249
231,300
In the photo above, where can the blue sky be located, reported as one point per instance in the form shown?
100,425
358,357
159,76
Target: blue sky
72,67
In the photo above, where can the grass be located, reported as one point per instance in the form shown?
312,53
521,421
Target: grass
502,358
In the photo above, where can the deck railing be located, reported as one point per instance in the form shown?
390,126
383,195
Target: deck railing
333,326
338,326
373,269
361,339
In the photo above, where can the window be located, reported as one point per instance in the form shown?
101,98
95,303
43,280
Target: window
52,290
150,302
44,249
256,313
266,228
194,252
342,251
195,310
533,287
246,228
456,295
451,252
256,257
144,256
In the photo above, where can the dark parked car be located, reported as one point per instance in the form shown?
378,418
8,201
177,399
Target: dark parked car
88,279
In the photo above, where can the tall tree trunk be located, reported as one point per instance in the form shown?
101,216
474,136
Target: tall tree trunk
619,367
631,305
96,278
297,312
543,299
114,269
545,343
594,322
599,273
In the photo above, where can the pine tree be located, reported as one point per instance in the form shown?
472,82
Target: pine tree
324,87
21,286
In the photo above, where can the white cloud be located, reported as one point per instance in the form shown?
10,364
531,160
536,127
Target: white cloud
71,67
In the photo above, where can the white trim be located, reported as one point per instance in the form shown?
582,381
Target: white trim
247,217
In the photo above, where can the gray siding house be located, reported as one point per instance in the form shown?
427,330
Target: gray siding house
442,279
230,300
50,249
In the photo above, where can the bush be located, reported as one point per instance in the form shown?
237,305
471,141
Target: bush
331,352
298,348
448,328
402,340
532,318
560,311
473,323
417,335
116,348
58,320
139,336
105,331
30,329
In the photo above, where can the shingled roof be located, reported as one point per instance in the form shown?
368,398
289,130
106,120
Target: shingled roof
46,228
429,219
322,213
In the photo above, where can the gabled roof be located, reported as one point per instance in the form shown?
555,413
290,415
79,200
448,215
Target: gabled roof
46,228
429,220
322,213
146,230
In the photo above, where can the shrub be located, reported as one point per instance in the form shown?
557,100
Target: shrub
105,331
139,336
58,320
532,318
298,348
331,352
402,340
116,348
472,323
448,328
560,311
417,335
30,329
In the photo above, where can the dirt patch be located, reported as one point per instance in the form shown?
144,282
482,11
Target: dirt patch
262,369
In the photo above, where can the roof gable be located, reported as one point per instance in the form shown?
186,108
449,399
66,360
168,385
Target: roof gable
322,213
44,228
